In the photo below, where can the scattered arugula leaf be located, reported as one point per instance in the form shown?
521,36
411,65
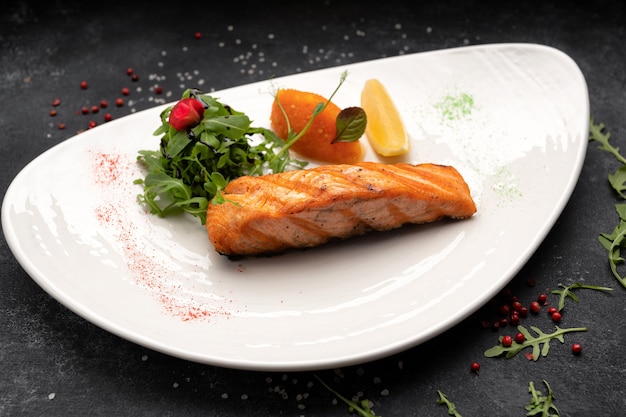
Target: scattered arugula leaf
362,408
613,242
443,400
596,133
568,291
535,342
541,405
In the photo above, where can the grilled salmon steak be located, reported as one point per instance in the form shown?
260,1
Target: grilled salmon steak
272,213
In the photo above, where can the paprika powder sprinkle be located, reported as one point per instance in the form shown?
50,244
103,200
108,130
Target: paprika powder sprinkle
114,174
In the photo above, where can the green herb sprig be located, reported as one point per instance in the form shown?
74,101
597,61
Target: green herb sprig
541,405
613,242
443,400
540,344
362,408
568,291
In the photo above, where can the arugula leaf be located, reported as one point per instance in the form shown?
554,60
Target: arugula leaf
568,291
443,400
541,405
618,181
362,408
535,342
614,241
596,134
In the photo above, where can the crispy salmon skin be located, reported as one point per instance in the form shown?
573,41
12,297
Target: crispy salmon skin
272,213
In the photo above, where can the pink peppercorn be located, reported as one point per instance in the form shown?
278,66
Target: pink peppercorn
475,367
507,341
535,307
83,85
577,348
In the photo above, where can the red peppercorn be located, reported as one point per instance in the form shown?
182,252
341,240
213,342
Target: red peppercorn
475,367
556,317
56,102
53,113
125,91
531,282
576,348
485,324
535,307
514,319
519,337
119,102
83,85
542,298
507,341
517,306
95,109
129,71
552,310
505,309
134,77
104,104
158,89
84,110
61,126
503,322
523,312
197,35
92,124
108,117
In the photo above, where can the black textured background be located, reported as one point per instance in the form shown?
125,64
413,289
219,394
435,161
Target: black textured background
53,363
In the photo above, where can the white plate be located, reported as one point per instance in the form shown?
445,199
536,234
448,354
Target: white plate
513,119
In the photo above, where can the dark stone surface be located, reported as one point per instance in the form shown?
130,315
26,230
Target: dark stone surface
54,363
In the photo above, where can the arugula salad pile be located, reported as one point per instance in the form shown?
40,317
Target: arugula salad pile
191,167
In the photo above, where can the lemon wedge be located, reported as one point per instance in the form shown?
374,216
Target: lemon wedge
385,129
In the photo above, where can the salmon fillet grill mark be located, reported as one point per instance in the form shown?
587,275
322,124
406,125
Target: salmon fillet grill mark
298,209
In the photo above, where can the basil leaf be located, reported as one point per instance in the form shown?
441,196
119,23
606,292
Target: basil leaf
350,123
